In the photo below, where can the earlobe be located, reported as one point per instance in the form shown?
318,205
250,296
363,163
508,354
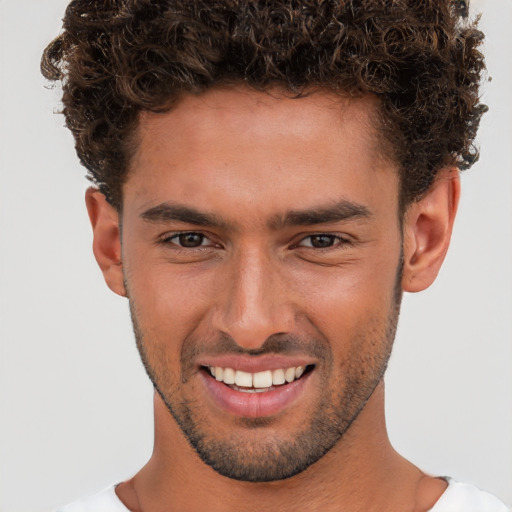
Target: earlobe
106,239
428,225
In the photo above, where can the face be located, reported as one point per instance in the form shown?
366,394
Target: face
261,252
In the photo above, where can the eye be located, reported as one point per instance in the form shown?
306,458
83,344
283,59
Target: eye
189,240
321,241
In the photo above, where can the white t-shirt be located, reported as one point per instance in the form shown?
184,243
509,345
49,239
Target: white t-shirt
458,497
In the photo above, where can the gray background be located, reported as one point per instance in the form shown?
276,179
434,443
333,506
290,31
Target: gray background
75,405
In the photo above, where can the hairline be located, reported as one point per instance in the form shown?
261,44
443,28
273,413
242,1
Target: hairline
380,144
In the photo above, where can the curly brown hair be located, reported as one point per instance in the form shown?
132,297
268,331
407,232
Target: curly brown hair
117,58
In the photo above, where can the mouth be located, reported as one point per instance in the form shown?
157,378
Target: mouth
260,394
259,382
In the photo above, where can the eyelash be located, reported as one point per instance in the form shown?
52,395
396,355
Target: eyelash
339,242
168,240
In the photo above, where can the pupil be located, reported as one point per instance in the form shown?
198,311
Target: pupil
321,241
191,240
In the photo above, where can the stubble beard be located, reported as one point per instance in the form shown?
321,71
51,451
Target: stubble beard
266,457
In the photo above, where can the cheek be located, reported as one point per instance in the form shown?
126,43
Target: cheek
169,305
346,295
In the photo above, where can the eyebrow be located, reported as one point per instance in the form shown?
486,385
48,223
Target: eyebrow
167,212
341,211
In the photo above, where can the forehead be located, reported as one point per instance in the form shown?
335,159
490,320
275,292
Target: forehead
262,115
259,149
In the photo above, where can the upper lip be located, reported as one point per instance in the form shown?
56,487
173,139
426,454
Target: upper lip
255,364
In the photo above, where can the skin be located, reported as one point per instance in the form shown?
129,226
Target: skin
250,159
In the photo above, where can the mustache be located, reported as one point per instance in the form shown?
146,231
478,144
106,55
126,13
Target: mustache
283,344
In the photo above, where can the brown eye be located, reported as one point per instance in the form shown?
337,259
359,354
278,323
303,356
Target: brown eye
190,240
322,241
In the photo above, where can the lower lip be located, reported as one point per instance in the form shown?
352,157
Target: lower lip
254,405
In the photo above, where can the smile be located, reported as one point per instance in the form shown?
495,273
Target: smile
259,382
255,394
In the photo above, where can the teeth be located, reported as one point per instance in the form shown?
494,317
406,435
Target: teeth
229,376
289,374
278,377
243,379
260,381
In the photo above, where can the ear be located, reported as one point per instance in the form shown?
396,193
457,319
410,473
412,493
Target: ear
106,239
428,227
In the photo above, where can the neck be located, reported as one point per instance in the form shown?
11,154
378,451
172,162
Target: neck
360,473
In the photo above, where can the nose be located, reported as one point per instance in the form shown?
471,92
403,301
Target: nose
255,302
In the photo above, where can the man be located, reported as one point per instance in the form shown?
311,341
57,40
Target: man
270,178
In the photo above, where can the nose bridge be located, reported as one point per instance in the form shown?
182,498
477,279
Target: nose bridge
255,303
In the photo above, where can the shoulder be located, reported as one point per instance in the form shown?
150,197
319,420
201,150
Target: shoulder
460,497
104,501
